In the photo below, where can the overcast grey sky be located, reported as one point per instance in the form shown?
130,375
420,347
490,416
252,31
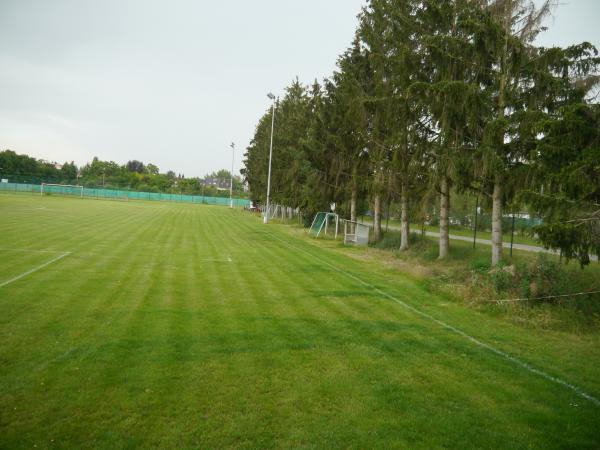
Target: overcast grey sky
173,83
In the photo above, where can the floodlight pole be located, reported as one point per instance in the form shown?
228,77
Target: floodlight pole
231,181
272,97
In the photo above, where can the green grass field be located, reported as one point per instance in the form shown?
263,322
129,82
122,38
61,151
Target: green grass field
190,326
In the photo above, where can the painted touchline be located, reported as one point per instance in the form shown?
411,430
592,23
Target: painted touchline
35,269
458,331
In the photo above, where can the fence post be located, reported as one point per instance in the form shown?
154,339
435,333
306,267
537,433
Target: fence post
512,234
475,227
387,219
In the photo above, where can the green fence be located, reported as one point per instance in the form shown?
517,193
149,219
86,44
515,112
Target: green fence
114,194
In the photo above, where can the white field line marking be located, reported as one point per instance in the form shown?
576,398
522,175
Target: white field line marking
228,259
458,331
35,269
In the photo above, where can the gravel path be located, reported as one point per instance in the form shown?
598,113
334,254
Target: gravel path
525,247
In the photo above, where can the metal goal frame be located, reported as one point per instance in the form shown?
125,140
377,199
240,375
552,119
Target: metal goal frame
356,233
50,191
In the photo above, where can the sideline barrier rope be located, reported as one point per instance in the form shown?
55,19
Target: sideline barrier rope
513,300
474,340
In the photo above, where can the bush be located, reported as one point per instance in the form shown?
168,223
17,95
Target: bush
480,265
415,238
542,278
503,277
390,240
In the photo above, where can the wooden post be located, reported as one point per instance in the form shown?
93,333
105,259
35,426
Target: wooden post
512,234
475,225
387,219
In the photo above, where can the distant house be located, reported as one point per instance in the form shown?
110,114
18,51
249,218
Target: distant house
56,165
220,183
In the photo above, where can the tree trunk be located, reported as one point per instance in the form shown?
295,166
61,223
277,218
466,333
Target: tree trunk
377,217
497,195
497,223
403,219
444,213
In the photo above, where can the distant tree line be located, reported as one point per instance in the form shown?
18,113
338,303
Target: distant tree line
435,97
134,175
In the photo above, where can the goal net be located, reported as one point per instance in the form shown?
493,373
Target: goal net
61,189
356,233
325,224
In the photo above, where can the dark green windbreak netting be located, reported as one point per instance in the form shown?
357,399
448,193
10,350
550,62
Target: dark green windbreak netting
77,191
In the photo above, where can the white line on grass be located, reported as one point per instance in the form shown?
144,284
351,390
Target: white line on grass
35,269
458,331
228,259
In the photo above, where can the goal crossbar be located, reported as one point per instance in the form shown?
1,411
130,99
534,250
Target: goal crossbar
356,233
321,223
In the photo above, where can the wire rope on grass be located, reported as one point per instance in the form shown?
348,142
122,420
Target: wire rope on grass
546,297
518,362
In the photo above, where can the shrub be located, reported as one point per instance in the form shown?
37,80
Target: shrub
479,270
481,265
539,278
390,240
542,278
503,277
415,238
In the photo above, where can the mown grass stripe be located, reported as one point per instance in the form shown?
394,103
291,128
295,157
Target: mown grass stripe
137,342
452,328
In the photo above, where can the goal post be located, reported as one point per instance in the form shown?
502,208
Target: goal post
61,189
356,233
325,223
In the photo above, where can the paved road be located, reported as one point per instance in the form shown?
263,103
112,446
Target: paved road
525,247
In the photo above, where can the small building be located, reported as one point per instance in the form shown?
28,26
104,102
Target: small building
220,183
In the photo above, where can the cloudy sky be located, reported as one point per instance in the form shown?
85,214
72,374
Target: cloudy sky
174,83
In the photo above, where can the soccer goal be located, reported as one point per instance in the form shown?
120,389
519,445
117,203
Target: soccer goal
325,224
356,233
61,189
274,208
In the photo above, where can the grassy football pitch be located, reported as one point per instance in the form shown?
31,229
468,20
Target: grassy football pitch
147,324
